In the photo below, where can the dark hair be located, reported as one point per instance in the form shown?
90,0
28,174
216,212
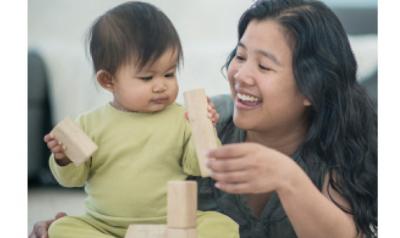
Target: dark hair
342,135
131,31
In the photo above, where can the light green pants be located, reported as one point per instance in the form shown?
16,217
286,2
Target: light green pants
209,225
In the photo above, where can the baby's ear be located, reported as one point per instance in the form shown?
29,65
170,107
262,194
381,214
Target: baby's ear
306,102
105,79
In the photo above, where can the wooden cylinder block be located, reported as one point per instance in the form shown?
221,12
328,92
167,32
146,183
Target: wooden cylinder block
182,204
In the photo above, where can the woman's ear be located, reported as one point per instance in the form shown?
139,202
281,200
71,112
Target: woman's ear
105,79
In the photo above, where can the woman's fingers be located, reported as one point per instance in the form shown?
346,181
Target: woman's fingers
231,151
232,177
236,188
228,165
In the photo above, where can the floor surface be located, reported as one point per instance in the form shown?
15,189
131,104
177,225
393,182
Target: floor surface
44,203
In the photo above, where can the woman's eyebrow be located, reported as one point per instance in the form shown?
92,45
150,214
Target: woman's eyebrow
267,54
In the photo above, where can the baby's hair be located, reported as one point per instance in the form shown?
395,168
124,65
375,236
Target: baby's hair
131,32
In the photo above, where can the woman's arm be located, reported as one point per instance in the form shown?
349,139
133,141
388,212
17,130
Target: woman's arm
312,213
252,168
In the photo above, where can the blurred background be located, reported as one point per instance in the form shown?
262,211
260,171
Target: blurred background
61,81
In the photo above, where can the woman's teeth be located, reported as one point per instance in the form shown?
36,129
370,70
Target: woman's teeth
247,98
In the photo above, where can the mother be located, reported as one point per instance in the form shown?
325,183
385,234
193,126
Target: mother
299,158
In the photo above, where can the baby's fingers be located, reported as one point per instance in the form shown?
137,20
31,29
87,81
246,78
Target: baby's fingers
210,102
60,155
52,144
48,137
60,148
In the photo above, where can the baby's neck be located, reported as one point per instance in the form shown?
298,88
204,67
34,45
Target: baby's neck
118,107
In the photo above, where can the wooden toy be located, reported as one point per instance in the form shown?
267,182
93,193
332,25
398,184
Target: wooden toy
181,204
203,131
79,147
145,231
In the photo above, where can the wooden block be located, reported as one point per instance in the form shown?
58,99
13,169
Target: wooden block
145,231
182,204
79,146
203,131
181,233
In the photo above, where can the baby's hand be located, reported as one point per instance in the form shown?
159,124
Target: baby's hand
57,148
212,112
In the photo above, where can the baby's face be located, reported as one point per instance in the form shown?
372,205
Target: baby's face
150,90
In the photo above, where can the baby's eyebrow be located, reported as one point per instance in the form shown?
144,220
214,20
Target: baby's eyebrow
172,67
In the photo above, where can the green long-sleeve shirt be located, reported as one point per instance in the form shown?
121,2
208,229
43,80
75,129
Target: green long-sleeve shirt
125,179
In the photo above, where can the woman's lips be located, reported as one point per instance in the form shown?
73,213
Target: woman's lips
245,105
246,101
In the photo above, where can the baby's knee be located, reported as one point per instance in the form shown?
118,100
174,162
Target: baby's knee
212,224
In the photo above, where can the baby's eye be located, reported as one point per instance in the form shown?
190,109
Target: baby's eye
146,78
264,67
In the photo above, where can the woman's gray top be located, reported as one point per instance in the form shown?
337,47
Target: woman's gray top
273,221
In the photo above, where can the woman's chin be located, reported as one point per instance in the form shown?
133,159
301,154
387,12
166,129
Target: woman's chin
241,121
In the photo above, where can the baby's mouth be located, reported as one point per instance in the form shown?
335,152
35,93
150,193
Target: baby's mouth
160,100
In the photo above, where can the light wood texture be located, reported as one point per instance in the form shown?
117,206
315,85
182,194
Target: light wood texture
79,147
182,204
203,131
145,231
181,233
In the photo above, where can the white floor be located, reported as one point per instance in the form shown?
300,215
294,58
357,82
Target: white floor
44,203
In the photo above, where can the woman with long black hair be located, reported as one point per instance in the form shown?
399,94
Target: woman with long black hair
302,131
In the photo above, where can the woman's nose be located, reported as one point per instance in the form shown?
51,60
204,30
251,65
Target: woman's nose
244,74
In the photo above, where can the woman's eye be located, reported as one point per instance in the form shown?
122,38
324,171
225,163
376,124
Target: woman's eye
146,78
240,58
170,75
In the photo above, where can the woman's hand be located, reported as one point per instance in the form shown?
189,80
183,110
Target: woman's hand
249,168
40,228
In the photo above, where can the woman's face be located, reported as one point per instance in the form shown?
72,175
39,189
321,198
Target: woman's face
262,83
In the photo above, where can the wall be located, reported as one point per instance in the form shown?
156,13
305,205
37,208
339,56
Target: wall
207,28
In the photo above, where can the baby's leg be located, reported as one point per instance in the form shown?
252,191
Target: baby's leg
75,227
216,225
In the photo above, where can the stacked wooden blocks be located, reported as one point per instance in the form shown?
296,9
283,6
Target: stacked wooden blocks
181,211
181,214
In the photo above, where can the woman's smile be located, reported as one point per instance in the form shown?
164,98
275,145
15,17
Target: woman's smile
246,101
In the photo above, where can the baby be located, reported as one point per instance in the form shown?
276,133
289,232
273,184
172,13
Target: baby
142,135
